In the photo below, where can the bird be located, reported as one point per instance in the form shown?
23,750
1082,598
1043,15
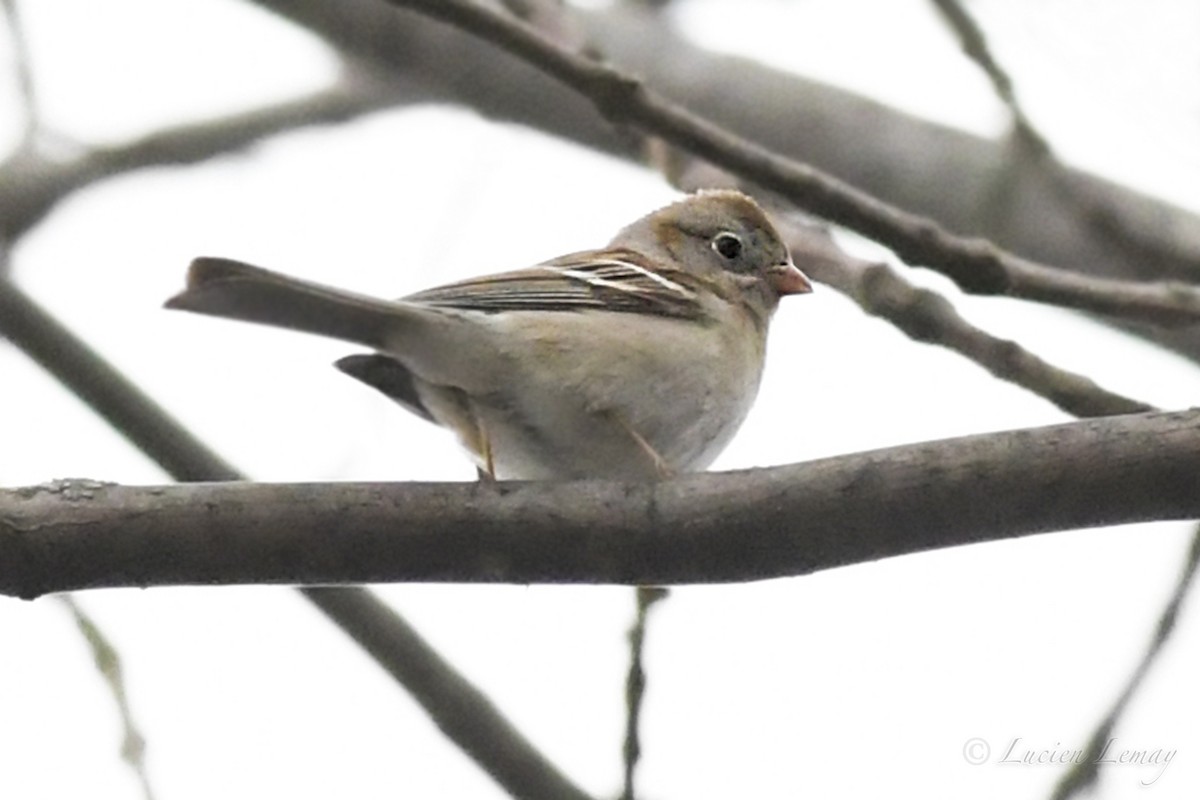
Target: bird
636,361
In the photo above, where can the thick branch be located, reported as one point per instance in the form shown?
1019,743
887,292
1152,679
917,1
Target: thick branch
737,526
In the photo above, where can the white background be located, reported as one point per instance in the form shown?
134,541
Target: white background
864,681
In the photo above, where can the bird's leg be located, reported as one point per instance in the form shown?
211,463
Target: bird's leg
489,460
488,472
484,447
661,466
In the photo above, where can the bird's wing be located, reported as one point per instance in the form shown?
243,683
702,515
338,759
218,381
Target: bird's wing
611,280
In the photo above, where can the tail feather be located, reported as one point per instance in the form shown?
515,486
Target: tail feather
225,288
389,376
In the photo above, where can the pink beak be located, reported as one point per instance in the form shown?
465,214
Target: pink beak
786,279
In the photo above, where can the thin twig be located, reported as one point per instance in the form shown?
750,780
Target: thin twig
25,325
921,314
976,265
551,17
927,316
635,685
466,717
1084,774
108,662
801,518
975,44
31,185
23,69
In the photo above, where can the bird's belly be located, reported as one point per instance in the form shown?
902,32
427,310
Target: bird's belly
593,407
572,443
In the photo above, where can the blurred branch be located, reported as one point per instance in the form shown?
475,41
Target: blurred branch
465,716
1042,209
635,685
693,529
23,69
976,265
463,713
975,44
922,314
108,662
969,183
86,374
1083,775
926,316
553,19
4,182
32,184
654,5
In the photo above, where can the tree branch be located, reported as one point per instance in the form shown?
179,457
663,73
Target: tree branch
85,373
927,316
108,664
31,185
461,711
896,155
704,528
969,183
975,44
976,265
23,69
921,314
635,686
1083,774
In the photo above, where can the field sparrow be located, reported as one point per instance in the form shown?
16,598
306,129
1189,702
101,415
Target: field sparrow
635,361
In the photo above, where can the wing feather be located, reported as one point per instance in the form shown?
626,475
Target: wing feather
612,280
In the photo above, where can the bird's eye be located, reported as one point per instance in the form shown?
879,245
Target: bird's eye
728,245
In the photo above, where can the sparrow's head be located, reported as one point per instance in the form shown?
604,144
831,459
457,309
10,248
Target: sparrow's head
720,235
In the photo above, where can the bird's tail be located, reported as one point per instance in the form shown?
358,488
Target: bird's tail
224,288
